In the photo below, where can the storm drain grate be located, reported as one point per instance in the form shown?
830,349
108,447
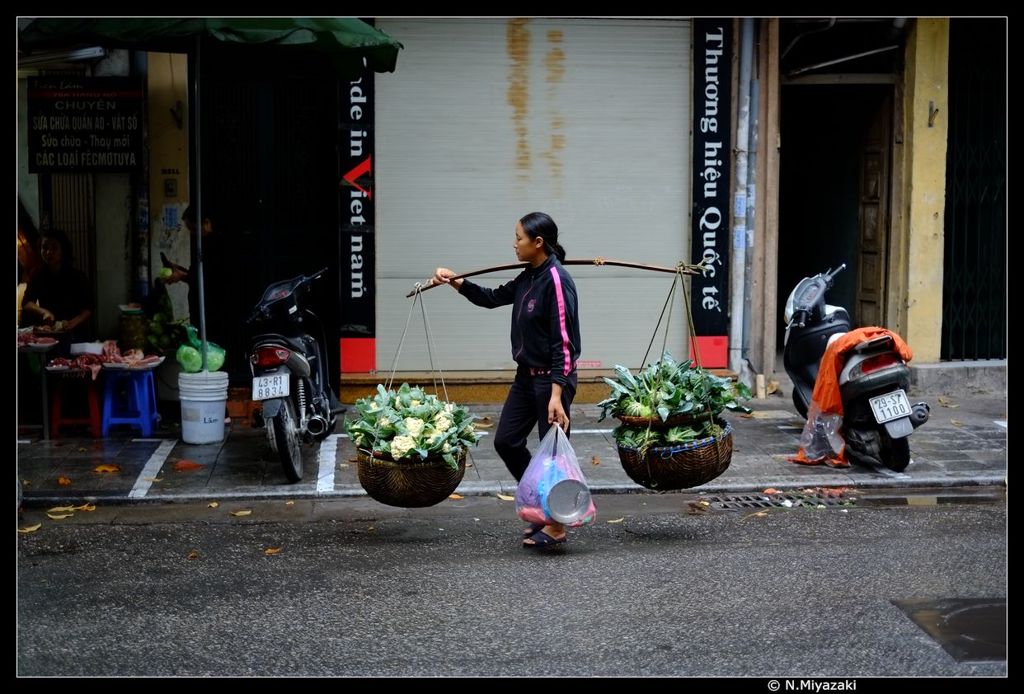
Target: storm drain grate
743,502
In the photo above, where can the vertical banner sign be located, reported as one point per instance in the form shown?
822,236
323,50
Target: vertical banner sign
358,328
712,110
84,124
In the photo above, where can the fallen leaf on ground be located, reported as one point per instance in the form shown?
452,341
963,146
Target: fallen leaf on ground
183,465
246,512
272,550
371,529
484,423
153,479
82,450
213,504
289,503
107,467
595,461
59,516
61,509
757,514
84,507
30,528
26,483
616,520
193,555
770,490
63,481
456,496
772,386
956,422
946,402
506,497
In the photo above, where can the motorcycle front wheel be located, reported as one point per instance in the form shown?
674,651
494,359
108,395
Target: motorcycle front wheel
286,433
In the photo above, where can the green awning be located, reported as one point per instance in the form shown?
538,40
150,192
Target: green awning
342,41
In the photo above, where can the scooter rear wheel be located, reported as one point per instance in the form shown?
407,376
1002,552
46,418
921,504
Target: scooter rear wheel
895,453
287,435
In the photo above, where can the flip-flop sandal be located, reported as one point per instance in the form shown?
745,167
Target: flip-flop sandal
542,539
534,527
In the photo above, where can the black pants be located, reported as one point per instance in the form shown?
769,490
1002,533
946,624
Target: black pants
527,405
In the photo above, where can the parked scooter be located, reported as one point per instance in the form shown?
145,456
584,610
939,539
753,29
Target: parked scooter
877,416
289,372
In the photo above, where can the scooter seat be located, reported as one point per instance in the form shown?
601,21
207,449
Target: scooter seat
882,343
295,343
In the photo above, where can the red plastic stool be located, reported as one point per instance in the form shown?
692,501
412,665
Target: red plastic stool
129,397
58,418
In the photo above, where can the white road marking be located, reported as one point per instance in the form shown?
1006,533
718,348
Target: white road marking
326,458
152,467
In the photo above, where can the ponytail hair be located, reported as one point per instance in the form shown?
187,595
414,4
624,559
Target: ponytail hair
539,224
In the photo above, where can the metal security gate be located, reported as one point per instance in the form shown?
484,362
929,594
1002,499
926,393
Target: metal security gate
270,186
974,296
67,202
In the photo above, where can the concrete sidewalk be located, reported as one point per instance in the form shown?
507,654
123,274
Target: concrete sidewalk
964,443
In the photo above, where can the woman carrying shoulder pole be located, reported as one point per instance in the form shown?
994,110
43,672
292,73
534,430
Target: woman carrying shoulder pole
545,338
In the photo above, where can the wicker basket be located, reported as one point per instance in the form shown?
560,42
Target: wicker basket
675,420
679,467
410,484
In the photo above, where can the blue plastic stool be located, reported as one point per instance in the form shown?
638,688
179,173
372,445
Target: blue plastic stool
129,397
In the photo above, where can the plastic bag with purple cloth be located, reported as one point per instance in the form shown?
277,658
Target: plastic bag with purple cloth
553,489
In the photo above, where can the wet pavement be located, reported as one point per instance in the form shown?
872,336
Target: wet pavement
964,444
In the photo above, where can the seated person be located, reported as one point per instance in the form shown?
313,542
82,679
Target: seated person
29,261
58,297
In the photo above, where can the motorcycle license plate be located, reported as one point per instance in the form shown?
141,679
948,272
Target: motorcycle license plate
267,387
890,406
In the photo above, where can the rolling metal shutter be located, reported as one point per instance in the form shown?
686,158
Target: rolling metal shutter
487,120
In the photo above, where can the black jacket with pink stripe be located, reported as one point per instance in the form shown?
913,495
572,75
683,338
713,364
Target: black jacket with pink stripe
545,317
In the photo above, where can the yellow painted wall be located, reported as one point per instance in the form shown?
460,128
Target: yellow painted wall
919,263
168,162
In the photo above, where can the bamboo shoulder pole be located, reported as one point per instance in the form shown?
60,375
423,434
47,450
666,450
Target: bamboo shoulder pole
599,261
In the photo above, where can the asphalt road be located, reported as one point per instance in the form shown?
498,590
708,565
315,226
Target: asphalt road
359,589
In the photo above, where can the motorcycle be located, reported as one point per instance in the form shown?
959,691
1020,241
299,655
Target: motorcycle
877,415
289,372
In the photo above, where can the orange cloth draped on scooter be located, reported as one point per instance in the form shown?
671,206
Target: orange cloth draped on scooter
826,400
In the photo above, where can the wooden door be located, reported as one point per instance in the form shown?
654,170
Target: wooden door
873,217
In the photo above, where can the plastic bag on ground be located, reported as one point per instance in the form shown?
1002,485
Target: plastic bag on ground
553,489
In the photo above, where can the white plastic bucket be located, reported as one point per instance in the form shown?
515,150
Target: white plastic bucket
204,396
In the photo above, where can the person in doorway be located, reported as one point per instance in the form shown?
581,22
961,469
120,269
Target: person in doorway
545,345
58,297
189,275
